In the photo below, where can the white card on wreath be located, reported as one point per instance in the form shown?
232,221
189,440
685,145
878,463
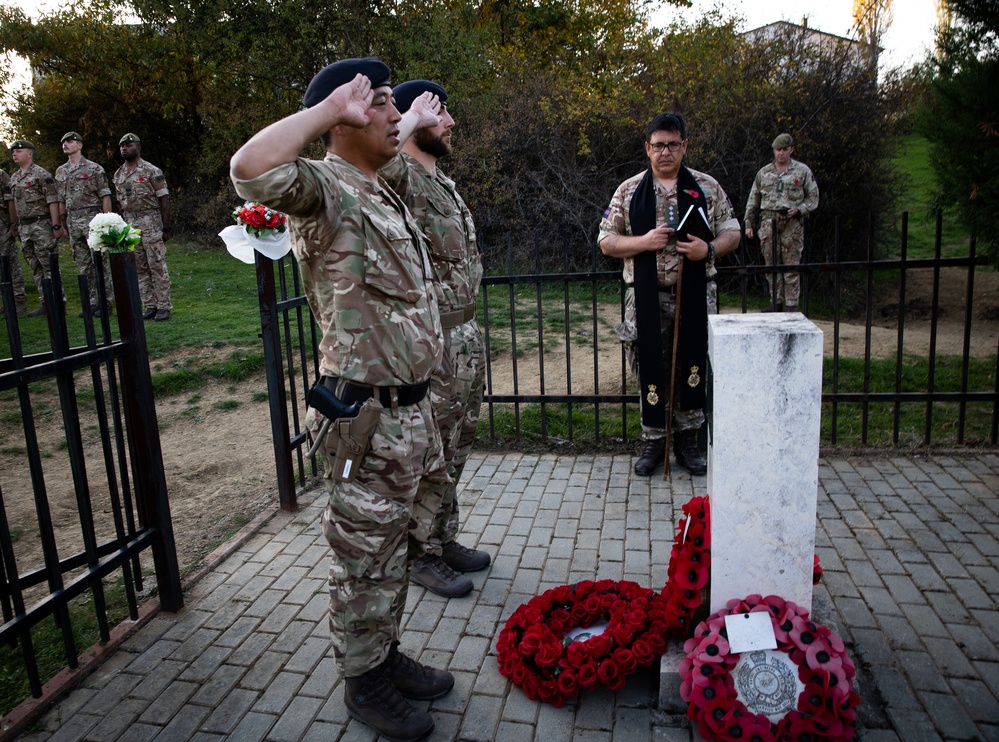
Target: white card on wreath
750,631
579,634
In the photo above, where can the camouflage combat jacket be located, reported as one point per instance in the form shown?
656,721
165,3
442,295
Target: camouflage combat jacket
139,190
82,185
6,196
446,223
34,189
775,192
365,270
721,218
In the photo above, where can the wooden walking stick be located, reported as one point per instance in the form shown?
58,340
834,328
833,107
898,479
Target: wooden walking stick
672,365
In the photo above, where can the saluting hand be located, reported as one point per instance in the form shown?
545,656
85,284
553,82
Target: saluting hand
428,106
351,101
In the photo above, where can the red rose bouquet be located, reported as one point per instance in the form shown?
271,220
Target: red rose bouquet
260,221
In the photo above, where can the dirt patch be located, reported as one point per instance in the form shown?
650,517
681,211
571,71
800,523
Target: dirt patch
217,446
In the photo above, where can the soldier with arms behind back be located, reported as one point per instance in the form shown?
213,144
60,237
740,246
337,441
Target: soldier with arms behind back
367,275
83,186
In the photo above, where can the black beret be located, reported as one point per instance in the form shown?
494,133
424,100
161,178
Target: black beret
332,76
22,144
409,91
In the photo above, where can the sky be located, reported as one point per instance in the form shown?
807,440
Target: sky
907,40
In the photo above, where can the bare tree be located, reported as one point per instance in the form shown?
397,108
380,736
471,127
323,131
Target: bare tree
871,18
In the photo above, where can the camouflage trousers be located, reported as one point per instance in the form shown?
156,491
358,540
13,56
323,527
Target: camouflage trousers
84,257
150,260
8,248
36,244
784,288
456,401
627,331
368,524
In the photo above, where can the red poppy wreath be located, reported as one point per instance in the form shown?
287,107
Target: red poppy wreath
689,568
542,650
817,703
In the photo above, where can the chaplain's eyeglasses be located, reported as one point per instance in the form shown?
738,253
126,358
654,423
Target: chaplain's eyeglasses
658,147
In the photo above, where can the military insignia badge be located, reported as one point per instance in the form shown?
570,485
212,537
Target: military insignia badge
652,398
695,378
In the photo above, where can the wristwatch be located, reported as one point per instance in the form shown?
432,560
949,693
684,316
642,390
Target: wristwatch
711,251
55,226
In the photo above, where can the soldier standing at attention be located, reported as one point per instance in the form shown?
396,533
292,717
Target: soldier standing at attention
36,203
368,279
83,185
145,204
457,397
8,245
785,189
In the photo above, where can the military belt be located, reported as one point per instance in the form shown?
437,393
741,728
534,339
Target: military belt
457,317
32,219
348,392
130,214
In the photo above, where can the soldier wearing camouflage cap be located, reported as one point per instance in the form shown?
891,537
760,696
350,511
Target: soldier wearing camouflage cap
36,205
365,271
83,186
144,200
784,190
457,397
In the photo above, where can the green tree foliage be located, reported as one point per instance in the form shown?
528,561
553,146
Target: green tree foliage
961,117
551,99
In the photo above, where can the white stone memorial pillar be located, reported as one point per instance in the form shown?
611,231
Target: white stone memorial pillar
763,447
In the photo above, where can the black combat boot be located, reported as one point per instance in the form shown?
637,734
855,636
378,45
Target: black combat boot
371,698
653,455
688,455
415,680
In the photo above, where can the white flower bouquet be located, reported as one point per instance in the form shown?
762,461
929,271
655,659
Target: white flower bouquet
110,233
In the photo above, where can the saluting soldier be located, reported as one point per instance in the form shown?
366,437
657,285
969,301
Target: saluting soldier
457,396
36,204
367,276
8,245
144,201
83,186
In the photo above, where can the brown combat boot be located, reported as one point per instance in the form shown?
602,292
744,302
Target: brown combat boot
373,700
463,559
434,574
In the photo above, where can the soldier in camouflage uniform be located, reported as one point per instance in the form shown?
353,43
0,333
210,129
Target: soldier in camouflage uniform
447,224
367,275
145,204
83,186
666,145
8,245
36,203
786,190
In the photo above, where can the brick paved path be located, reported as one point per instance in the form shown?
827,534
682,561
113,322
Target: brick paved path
910,547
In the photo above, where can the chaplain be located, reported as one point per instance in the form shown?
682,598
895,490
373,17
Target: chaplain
640,228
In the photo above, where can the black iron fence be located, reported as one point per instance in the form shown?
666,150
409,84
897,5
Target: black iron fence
84,498
557,374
